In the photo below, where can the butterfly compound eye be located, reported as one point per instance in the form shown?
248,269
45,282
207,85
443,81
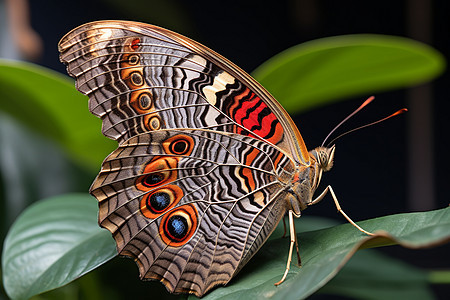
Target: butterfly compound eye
324,157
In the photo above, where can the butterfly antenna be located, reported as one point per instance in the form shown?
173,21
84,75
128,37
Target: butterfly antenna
367,125
370,99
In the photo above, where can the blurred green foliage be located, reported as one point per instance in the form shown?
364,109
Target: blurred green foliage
323,71
47,128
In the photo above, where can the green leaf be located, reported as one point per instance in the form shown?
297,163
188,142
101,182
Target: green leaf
58,240
48,103
52,243
439,276
328,69
371,275
324,252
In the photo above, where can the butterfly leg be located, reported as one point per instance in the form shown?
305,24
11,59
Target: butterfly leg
336,202
284,226
291,248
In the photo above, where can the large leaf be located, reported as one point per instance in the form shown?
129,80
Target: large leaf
48,103
62,232
52,243
324,70
324,252
371,275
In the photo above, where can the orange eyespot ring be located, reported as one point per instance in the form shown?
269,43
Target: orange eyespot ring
159,171
145,101
154,123
141,101
178,226
133,59
154,179
179,145
136,78
153,204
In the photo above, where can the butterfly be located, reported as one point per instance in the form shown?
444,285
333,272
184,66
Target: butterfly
208,162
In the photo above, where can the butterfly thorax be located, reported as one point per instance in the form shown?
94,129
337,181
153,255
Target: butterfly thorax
307,178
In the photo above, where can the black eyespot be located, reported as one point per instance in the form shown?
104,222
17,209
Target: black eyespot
154,123
177,227
153,179
179,146
136,78
133,59
158,202
145,101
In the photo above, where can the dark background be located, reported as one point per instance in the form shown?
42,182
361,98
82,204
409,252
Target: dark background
370,165
370,176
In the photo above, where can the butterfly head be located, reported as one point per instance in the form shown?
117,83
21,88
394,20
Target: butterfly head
322,161
324,157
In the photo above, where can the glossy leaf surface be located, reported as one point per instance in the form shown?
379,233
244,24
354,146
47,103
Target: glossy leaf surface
324,252
328,69
58,240
52,243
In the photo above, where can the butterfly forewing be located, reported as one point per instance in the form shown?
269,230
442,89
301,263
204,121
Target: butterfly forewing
205,153
129,70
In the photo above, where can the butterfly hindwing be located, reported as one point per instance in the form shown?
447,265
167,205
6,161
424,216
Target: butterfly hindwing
191,206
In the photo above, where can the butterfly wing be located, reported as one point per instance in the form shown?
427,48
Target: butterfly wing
130,69
191,206
205,153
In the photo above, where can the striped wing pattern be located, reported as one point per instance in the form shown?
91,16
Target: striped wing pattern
199,179
130,71
232,196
